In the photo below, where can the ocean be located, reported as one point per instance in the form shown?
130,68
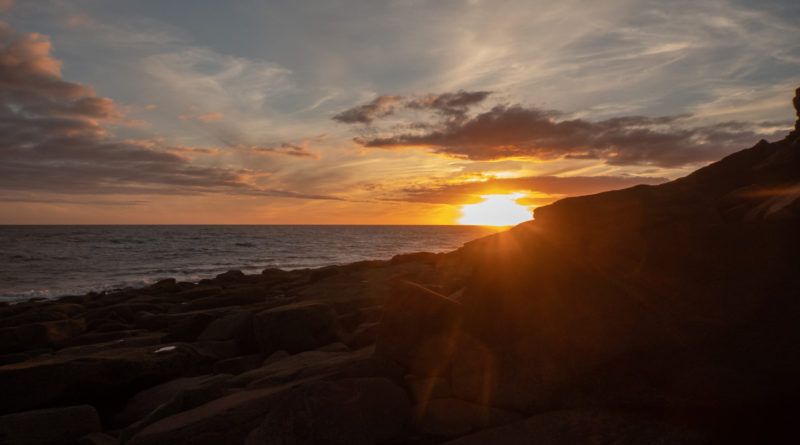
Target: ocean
52,261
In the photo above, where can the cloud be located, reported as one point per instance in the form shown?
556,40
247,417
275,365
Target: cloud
289,149
82,20
450,105
381,106
553,187
516,131
210,117
54,138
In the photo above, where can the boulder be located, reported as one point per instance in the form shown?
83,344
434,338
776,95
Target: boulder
361,411
146,401
419,329
188,328
228,419
49,426
190,395
237,325
296,327
49,334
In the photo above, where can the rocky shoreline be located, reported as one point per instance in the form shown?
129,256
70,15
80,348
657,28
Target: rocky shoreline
656,314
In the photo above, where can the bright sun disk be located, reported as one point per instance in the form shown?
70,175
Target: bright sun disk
495,210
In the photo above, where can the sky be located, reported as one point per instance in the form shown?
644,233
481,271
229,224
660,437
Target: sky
373,111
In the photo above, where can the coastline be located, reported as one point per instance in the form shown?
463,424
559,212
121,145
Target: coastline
247,331
56,261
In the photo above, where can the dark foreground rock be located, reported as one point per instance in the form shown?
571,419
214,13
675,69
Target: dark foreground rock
655,314
346,412
49,426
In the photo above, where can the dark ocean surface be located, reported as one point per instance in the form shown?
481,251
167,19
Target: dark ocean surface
51,261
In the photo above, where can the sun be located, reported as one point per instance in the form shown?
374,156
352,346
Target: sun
495,210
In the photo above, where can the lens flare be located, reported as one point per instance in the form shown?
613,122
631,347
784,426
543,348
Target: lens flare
495,210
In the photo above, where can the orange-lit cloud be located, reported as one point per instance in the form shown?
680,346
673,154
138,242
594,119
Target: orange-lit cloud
525,132
210,117
538,189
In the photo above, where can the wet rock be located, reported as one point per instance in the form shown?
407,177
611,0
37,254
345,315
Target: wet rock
168,285
49,426
230,276
419,329
296,327
351,411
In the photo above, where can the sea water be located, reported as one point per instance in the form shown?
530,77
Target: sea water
51,261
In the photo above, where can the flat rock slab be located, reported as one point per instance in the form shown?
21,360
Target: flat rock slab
225,420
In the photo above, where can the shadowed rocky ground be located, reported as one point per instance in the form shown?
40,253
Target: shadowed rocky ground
656,314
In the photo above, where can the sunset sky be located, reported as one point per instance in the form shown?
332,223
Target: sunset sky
372,112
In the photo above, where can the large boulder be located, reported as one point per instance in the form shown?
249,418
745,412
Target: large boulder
419,329
146,401
296,327
49,426
361,411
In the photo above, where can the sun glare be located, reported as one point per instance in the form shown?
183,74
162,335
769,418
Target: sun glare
495,210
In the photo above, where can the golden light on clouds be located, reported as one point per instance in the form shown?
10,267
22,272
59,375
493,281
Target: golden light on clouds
495,210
